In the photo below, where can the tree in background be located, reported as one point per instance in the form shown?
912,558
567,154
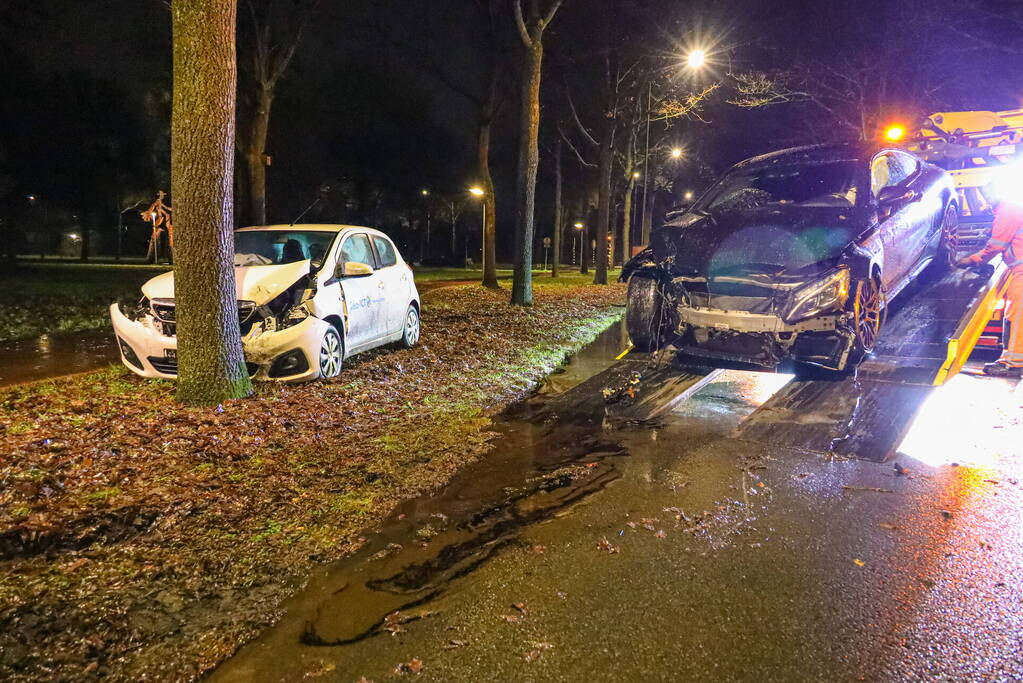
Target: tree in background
270,33
211,364
531,26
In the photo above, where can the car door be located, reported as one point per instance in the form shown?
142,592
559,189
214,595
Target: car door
887,169
363,295
395,279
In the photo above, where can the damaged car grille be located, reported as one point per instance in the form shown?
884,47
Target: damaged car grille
165,311
169,366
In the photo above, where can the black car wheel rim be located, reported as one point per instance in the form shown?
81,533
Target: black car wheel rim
868,313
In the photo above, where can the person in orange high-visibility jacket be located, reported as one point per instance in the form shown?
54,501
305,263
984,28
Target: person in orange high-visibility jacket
1007,240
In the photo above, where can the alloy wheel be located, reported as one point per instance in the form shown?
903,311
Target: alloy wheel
950,236
868,311
411,327
331,354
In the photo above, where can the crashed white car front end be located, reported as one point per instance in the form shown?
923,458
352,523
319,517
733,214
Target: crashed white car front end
280,337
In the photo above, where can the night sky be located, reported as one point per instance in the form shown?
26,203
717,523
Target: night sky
85,115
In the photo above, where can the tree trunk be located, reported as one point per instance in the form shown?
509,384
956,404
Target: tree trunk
255,156
584,238
605,167
211,364
529,159
489,208
627,218
558,219
648,216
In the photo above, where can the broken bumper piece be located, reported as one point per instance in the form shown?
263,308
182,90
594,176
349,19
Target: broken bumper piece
289,355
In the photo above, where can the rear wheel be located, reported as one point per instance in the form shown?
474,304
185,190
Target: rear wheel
948,248
868,317
332,353
647,317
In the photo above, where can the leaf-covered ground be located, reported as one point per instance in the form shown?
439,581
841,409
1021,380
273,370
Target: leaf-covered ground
143,539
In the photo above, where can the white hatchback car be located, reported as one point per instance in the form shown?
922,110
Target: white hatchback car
309,296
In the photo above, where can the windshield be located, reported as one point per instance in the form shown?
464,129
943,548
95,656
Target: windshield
821,184
274,247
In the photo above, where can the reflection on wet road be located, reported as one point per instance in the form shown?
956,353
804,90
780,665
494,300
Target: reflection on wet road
677,550
53,355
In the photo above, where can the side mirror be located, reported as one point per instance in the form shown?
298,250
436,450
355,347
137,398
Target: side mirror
893,194
355,269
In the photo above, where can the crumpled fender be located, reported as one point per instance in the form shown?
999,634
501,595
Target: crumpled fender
641,261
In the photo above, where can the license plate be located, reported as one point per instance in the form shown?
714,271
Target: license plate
1002,150
170,354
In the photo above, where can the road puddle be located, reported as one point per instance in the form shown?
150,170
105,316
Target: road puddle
53,355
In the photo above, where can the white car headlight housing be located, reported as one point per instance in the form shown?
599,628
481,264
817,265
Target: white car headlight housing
821,296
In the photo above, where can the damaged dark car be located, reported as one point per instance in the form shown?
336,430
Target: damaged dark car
792,257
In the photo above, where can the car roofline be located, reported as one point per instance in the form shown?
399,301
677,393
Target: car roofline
310,227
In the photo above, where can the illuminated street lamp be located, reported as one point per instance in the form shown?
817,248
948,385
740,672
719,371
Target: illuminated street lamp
676,152
895,133
696,59
578,235
636,175
424,192
688,196
478,192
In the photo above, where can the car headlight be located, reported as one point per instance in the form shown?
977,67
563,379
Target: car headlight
828,293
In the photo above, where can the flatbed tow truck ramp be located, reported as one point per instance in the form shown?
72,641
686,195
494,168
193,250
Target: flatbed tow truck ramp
928,337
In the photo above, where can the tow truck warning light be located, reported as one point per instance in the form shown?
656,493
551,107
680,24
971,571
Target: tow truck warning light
895,133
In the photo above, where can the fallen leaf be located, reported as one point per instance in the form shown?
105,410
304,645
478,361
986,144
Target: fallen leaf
607,546
660,534
858,562
510,618
886,525
520,606
414,666
455,644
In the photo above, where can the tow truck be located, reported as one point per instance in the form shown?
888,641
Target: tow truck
929,336
983,152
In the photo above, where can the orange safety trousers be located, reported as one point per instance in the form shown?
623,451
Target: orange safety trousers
1013,353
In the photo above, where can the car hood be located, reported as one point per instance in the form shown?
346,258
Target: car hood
251,283
766,241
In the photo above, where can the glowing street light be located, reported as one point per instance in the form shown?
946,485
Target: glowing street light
424,192
476,191
676,152
895,133
576,242
688,196
696,59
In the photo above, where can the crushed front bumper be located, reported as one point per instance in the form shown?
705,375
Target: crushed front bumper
144,348
763,339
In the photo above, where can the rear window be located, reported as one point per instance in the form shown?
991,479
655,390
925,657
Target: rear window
385,251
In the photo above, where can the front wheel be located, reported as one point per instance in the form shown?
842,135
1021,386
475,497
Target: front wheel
948,248
332,353
868,317
410,335
647,315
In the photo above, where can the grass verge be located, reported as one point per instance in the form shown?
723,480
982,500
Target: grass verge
141,539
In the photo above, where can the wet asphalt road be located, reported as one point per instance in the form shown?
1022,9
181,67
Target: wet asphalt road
675,551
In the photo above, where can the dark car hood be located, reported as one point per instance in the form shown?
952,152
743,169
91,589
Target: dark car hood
768,241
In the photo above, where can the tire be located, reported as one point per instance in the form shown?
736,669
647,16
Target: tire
332,353
948,247
869,310
646,316
412,329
